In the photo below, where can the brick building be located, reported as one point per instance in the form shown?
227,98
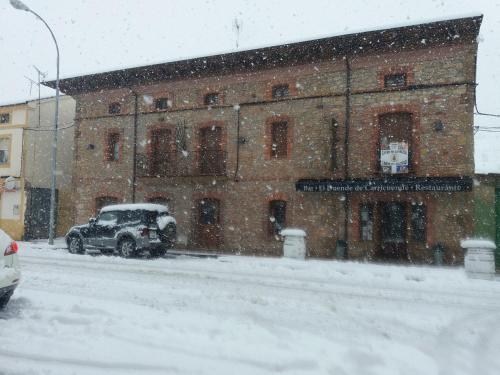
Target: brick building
304,135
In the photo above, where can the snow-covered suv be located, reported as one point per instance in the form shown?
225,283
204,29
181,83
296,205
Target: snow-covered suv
10,273
126,229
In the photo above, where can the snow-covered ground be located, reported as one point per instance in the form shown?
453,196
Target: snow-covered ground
78,314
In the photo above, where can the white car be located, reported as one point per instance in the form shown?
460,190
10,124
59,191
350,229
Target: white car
10,272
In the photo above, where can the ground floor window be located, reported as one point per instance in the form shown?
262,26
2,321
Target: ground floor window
366,220
418,221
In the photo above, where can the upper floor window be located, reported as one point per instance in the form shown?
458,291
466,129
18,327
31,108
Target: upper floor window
114,108
162,152
395,143
280,91
212,157
395,80
277,216
113,147
4,150
279,139
4,118
161,104
212,98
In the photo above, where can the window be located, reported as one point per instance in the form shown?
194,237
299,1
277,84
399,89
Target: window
114,108
4,150
108,219
395,80
113,147
212,98
101,202
279,139
212,159
277,216
280,91
395,143
418,222
366,221
4,118
161,104
209,211
161,152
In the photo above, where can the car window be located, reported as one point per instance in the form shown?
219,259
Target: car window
130,217
107,218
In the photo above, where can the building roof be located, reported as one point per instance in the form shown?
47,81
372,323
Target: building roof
392,39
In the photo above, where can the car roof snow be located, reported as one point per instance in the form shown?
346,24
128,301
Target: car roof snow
136,206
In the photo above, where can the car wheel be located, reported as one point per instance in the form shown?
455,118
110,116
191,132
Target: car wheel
5,298
75,245
127,248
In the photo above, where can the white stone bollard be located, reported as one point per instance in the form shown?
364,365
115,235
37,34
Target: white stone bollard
479,258
295,243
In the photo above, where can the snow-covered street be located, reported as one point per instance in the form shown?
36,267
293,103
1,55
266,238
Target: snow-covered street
78,314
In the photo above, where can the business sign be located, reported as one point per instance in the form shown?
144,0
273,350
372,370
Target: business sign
391,184
394,158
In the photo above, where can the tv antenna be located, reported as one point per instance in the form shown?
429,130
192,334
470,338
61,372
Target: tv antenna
237,24
38,82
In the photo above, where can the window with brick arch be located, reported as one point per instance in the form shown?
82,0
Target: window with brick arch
162,152
114,108
277,216
113,147
212,98
395,143
103,201
281,91
279,140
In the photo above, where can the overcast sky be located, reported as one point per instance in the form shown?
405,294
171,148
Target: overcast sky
101,35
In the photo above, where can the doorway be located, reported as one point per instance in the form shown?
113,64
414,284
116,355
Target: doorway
208,223
393,243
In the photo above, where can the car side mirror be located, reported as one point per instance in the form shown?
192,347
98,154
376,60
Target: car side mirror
92,220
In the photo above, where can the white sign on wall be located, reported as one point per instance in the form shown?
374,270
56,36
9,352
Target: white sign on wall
394,158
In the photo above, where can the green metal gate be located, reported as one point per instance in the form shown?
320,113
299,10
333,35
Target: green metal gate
497,228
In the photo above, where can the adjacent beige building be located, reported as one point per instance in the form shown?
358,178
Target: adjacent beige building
13,122
37,159
25,166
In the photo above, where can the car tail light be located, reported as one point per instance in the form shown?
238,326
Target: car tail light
11,249
145,232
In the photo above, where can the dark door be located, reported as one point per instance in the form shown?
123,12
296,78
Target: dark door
37,216
393,231
211,154
208,226
161,152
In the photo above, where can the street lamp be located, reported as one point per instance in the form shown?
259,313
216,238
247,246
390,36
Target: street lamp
17,4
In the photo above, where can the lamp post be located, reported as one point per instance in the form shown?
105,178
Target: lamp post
17,4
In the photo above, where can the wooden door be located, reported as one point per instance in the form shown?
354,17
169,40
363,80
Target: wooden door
393,231
211,158
161,152
208,225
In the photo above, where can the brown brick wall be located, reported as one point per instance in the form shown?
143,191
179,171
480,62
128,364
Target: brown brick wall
317,97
